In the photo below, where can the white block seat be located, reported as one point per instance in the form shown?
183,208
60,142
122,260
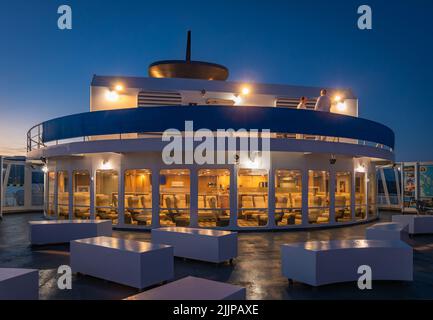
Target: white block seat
418,224
319,263
193,288
63,231
199,244
387,231
19,284
132,263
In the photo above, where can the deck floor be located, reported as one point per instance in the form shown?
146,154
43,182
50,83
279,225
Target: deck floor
257,267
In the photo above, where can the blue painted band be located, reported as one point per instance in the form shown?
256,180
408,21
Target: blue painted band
158,119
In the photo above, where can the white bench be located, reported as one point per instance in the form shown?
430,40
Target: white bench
387,231
192,288
323,262
19,284
417,224
133,263
199,244
62,231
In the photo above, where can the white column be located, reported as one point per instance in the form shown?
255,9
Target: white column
27,185
56,193
121,195
70,193
271,198
155,197
1,187
233,196
305,197
193,199
92,193
332,195
352,194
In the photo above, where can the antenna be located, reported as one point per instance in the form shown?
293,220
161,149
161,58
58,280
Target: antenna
188,47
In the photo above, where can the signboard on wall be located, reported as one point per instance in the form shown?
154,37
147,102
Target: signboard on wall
426,181
409,186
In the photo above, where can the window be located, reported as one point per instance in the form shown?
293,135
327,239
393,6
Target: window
371,186
318,197
343,187
14,193
106,194
174,201
252,198
213,197
360,196
62,195
81,191
37,188
288,197
138,197
51,177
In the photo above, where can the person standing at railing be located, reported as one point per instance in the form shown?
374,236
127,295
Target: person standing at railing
323,104
302,103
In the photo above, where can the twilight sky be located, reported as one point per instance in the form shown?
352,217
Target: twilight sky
46,72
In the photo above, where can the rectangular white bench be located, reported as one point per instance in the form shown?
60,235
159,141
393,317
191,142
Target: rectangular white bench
387,231
19,284
323,262
133,263
199,244
417,224
192,288
62,231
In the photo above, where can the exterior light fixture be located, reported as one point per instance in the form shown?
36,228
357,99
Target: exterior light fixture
105,165
112,96
44,169
119,87
361,168
245,91
341,106
237,99
337,98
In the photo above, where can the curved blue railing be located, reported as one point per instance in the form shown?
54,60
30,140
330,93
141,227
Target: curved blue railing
158,119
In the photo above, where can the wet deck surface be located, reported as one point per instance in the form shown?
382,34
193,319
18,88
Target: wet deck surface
257,267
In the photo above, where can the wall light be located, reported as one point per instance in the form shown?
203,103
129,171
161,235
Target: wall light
106,165
361,168
119,87
341,106
237,99
44,169
245,91
111,96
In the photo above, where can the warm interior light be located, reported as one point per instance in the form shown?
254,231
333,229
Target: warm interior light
341,106
112,96
337,98
119,87
245,91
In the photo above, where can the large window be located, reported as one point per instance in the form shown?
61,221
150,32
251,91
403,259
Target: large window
252,198
51,177
174,193
138,197
37,187
360,196
106,194
81,191
62,195
213,197
288,197
14,193
343,187
318,197
371,186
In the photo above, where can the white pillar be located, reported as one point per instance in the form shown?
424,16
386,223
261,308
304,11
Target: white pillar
70,193
352,194
92,193
271,198
332,195
233,196
155,197
121,195
193,199
305,197
1,187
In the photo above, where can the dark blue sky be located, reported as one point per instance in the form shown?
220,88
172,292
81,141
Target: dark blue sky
45,72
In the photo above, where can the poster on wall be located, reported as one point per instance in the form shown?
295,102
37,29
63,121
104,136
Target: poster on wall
409,186
426,181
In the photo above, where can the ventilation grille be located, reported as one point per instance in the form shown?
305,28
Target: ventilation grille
159,98
293,103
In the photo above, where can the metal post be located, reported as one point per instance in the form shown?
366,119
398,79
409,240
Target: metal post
1,187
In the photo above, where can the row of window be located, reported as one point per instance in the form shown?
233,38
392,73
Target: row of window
213,201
